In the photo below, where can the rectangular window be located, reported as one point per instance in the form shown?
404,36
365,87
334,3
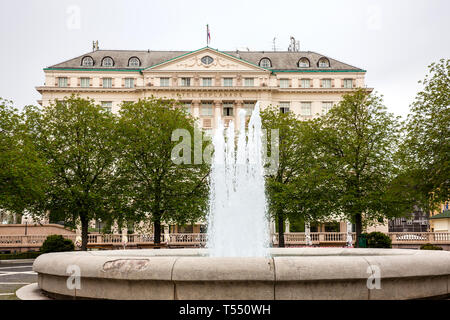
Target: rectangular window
326,106
305,83
185,82
107,82
187,107
163,82
129,83
248,107
348,83
249,82
206,109
227,82
227,109
207,82
305,109
85,82
284,107
107,105
326,83
284,83
62,82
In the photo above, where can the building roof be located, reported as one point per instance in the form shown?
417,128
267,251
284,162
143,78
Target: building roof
443,215
280,60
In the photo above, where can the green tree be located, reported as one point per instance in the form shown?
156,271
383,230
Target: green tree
359,138
425,153
22,172
158,186
294,189
78,141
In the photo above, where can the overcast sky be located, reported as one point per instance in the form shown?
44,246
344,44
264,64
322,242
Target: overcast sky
394,41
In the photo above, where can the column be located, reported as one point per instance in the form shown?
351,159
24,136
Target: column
272,231
238,105
124,236
78,238
349,234
195,108
166,233
217,111
308,234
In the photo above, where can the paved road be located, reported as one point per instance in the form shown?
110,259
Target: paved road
13,276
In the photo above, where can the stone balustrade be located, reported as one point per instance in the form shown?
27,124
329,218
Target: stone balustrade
199,239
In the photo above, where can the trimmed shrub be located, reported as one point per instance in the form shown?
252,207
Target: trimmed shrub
20,255
378,240
429,246
57,243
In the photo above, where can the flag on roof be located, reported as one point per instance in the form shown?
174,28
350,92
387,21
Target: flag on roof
208,35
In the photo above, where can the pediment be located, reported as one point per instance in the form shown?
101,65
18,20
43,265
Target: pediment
193,62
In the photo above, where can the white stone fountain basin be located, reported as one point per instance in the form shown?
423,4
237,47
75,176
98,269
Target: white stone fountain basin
304,273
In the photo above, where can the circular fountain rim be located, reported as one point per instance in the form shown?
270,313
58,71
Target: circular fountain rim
290,273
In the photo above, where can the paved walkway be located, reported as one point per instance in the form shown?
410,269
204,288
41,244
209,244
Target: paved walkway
14,276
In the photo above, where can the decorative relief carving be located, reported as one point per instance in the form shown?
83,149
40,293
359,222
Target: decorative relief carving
196,62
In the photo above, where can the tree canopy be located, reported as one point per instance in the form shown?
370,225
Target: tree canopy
162,182
425,151
78,141
22,172
357,140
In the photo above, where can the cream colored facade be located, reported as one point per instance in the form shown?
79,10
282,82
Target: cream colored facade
249,83
307,83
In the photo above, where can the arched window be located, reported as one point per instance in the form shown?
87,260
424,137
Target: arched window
107,62
87,61
265,63
303,63
323,63
134,62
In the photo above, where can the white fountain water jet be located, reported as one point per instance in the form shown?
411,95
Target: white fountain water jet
237,220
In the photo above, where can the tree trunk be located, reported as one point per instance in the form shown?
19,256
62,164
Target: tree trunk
84,231
280,230
157,232
358,226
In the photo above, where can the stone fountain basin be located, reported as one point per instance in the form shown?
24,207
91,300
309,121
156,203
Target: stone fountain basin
300,273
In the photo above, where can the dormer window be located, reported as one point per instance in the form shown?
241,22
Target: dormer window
134,62
87,62
323,63
107,62
265,63
303,63
207,60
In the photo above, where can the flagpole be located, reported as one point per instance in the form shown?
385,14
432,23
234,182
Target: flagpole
207,35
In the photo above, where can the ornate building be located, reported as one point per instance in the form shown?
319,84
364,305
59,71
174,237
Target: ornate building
208,82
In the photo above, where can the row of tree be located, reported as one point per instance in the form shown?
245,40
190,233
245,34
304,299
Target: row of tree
361,163
77,162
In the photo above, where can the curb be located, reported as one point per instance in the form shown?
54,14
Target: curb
31,292
14,261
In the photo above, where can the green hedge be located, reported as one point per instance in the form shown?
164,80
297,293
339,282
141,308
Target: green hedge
429,246
57,243
20,255
378,240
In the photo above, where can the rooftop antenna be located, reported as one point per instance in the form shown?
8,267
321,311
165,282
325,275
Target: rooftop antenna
94,45
274,47
294,46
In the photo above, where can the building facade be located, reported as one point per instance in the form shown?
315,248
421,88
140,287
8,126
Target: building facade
209,83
